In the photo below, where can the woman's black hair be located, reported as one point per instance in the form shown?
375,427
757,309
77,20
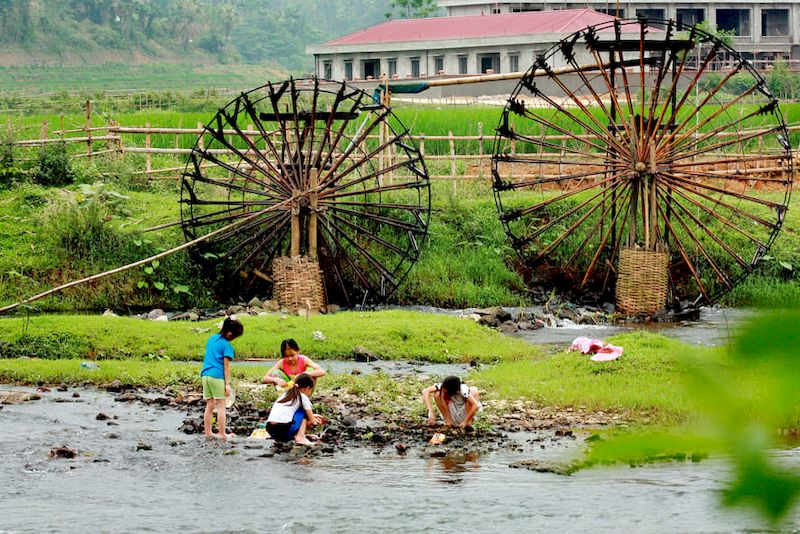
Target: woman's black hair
288,344
451,385
303,380
232,326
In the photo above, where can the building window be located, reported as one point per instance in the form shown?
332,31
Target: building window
327,70
488,62
522,8
689,17
495,11
650,14
735,20
348,70
462,65
438,65
613,12
415,67
392,67
370,69
513,63
774,22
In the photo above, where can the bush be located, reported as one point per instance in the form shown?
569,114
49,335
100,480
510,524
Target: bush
9,172
82,232
54,166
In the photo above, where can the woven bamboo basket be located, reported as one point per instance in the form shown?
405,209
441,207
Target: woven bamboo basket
298,284
642,281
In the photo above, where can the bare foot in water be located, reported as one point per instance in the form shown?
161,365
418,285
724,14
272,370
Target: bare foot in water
303,442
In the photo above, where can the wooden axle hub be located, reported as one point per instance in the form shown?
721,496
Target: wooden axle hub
306,204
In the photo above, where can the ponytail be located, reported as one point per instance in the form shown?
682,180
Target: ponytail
303,380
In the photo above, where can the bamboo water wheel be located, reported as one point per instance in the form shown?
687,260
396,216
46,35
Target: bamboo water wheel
658,168
322,172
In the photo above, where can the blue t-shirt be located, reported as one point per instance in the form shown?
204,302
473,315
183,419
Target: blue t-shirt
217,349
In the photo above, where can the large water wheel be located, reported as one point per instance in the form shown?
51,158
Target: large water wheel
319,170
659,166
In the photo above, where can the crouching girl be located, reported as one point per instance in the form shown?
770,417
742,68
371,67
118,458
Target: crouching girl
292,412
457,402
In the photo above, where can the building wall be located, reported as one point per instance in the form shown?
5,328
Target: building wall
754,43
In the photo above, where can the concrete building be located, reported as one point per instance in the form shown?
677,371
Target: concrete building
453,45
764,29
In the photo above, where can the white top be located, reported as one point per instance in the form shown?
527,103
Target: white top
284,412
464,390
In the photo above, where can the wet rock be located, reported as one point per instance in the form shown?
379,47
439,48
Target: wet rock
192,426
17,397
114,387
76,395
64,453
355,372
154,315
271,306
112,423
489,320
254,302
233,310
438,453
112,435
62,388
187,316
176,442
362,354
567,313
102,417
564,433
327,449
544,467
333,308
127,397
509,327
608,307
401,448
142,446
350,421
502,315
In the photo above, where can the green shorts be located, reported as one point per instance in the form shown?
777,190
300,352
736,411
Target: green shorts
213,388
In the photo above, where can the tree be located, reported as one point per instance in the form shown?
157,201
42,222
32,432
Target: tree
413,9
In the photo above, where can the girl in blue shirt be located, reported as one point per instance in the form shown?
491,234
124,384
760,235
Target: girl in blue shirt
216,375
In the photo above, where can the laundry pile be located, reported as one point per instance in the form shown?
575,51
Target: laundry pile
603,352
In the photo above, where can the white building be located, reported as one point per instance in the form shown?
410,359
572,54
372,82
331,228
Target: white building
764,29
453,45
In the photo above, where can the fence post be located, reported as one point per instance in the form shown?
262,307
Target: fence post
513,153
44,132
88,128
148,164
177,135
453,161
480,149
200,141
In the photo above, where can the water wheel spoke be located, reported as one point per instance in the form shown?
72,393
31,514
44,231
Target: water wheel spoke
240,230
320,161
536,207
678,180
292,172
365,159
341,250
676,239
601,157
267,240
380,219
548,179
280,171
381,268
599,250
727,222
707,230
361,231
719,202
209,219
230,185
337,192
383,205
528,114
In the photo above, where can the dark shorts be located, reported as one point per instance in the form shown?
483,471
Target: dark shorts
287,431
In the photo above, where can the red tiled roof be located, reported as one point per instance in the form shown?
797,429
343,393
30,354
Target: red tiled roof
475,26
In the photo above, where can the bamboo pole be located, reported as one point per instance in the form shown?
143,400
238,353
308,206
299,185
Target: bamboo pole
453,162
144,261
148,158
88,129
313,180
44,132
480,148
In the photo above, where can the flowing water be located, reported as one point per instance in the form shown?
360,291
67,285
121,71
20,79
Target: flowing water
185,484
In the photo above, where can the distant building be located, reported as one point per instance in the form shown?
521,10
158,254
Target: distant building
453,45
765,29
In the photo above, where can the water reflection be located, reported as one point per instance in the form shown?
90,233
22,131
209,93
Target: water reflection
447,469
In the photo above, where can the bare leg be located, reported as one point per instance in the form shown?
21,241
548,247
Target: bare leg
207,415
222,416
300,437
475,394
444,408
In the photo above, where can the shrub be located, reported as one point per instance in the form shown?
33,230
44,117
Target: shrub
80,231
49,346
54,166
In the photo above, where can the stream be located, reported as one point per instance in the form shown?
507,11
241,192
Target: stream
186,484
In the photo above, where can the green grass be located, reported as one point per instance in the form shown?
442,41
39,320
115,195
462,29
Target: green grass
389,334
649,379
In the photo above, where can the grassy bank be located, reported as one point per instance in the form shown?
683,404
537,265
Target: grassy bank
388,334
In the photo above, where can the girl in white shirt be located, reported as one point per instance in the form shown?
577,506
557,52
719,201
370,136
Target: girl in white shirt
457,402
292,411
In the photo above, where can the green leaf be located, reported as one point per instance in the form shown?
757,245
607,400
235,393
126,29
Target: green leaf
786,265
148,270
155,264
137,242
180,288
159,285
142,284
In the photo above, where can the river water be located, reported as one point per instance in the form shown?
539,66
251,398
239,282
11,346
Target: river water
185,484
